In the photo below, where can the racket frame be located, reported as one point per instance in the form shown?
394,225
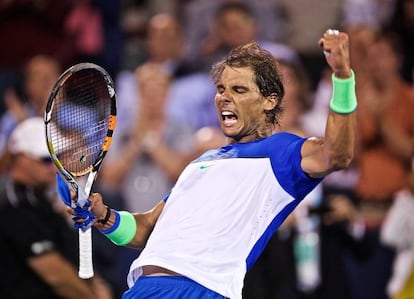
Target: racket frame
85,236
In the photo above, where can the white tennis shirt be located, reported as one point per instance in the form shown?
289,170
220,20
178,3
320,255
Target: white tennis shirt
223,209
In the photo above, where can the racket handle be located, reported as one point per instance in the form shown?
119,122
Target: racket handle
85,254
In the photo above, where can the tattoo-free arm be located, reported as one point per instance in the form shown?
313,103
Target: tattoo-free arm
63,278
144,222
334,151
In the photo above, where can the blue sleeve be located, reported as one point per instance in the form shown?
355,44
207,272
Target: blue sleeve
285,157
166,197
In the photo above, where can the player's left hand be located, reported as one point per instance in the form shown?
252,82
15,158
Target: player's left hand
82,216
335,46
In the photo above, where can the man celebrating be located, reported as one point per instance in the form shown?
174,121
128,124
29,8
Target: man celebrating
200,240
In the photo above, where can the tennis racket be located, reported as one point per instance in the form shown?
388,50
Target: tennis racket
80,119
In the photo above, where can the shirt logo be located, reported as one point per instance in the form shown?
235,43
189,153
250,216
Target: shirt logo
202,167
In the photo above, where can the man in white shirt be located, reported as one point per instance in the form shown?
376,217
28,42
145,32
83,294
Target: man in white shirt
208,231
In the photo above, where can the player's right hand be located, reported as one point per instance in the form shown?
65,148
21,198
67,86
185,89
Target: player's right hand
335,46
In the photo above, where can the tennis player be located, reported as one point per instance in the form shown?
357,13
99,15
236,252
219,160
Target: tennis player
200,240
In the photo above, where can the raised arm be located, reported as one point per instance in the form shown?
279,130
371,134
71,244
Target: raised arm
334,151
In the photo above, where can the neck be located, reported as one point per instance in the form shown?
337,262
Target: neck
259,134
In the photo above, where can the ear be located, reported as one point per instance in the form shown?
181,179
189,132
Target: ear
270,102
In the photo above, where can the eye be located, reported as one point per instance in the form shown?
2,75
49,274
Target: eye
239,89
220,89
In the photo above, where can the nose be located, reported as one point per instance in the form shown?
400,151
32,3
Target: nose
225,97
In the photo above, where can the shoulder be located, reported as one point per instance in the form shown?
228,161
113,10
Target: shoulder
285,137
284,141
276,144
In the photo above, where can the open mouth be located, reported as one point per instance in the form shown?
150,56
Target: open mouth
228,118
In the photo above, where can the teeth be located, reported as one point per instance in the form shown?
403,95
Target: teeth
229,118
229,122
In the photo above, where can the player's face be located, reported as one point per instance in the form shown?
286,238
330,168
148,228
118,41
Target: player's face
240,105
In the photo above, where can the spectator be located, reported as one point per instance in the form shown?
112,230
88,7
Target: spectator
397,232
40,254
386,126
189,91
145,160
199,21
234,24
41,72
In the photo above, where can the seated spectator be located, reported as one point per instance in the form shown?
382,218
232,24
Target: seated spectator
41,253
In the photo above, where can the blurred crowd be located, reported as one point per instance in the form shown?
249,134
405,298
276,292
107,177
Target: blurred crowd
350,238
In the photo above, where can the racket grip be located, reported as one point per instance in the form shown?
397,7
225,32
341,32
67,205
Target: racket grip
85,254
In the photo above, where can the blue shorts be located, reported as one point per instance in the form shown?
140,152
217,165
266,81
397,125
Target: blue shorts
171,287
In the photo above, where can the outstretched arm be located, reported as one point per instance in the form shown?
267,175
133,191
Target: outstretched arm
334,151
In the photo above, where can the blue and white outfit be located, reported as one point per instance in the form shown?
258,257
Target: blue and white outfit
223,209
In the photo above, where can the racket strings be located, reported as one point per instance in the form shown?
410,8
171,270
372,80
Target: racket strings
80,120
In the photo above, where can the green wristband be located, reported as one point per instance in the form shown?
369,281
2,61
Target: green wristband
343,95
124,229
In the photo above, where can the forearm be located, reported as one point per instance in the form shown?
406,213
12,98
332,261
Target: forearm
340,140
100,288
321,156
341,123
74,287
126,229
61,276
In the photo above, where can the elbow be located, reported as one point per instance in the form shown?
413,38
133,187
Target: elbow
342,161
